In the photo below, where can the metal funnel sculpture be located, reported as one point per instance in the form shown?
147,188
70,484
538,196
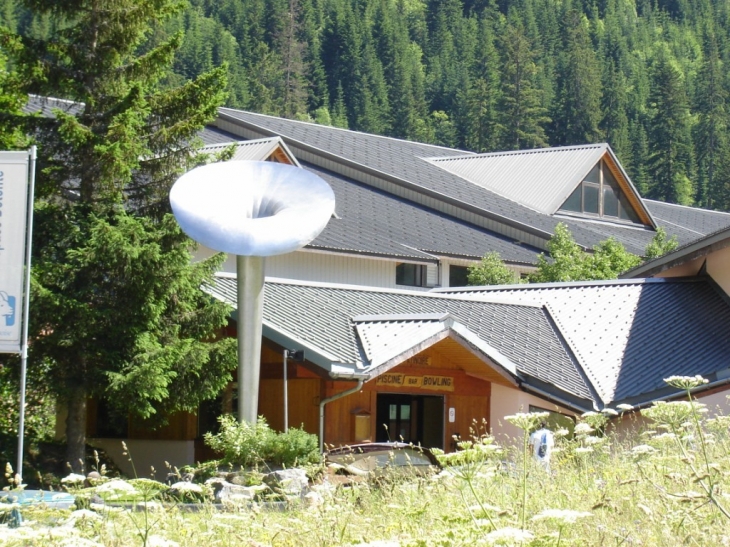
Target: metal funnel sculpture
252,209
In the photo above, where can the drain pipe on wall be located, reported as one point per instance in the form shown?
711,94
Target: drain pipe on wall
360,381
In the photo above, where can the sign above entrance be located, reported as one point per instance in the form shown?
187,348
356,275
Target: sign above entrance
433,383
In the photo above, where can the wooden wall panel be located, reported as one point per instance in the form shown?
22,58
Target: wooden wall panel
303,403
338,414
470,411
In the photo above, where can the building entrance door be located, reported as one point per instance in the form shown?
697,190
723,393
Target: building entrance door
417,419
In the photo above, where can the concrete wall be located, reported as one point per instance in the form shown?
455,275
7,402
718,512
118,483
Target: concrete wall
147,454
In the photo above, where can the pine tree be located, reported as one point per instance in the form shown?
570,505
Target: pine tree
615,123
116,312
711,139
12,100
523,118
577,110
670,151
341,57
481,123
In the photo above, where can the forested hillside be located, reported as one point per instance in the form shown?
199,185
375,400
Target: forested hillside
647,76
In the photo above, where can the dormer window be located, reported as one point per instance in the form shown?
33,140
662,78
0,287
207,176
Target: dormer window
600,195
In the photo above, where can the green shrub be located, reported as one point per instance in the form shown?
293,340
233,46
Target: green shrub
249,445
295,447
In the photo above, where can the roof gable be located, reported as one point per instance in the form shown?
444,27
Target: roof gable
388,340
541,179
268,149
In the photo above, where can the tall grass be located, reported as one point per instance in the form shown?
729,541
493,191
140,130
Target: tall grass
664,485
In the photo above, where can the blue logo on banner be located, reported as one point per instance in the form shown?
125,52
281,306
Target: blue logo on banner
7,308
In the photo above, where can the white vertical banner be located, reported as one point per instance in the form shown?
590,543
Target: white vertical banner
14,187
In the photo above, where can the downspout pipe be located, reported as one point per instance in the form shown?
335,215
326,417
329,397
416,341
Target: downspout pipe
360,381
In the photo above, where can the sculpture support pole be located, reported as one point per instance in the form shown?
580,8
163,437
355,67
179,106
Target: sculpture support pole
250,288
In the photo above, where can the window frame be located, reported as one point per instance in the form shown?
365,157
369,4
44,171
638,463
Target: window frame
625,213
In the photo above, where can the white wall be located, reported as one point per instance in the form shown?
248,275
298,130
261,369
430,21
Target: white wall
147,454
507,401
325,267
330,268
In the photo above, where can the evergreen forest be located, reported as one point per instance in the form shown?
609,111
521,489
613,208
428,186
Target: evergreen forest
646,76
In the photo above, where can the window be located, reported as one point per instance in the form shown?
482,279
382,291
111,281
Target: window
600,195
412,275
458,276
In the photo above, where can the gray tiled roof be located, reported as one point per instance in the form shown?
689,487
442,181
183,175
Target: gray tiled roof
413,163
699,221
46,105
211,135
322,316
408,161
630,335
384,337
378,223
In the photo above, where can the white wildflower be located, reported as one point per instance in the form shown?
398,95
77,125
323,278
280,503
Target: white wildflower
583,429
73,478
116,485
642,449
562,432
583,450
686,382
623,407
590,440
609,412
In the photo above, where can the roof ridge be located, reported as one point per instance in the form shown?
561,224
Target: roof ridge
564,284
333,128
545,150
383,290
692,208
